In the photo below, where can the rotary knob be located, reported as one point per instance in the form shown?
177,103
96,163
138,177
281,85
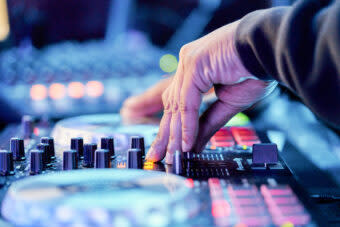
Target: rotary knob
177,163
70,160
6,163
45,150
134,159
50,142
77,144
108,143
102,158
137,142
89,150
37,164
27,125
18,149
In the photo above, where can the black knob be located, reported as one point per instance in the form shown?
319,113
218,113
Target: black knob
177,163
6,163
137,142
18,149
188,155
77,144
108,143
102,158
70,160
37,165
45,150
27,125
89,150
134,159
50,142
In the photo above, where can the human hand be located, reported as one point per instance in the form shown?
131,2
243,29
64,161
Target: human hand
211,61
136,108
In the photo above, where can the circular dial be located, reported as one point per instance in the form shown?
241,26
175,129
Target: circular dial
100,197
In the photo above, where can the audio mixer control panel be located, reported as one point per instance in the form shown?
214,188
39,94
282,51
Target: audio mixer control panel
238,180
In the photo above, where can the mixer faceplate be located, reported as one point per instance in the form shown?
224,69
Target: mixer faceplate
93,127
100,197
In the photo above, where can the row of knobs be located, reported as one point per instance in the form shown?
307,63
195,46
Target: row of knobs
40,157
44,154
100,158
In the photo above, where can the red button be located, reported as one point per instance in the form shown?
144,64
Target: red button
220,208
256,220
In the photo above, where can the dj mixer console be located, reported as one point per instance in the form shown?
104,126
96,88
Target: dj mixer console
92,172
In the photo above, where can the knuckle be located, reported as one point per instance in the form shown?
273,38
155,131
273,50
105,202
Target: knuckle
164,97
186,132
184,50
187,54
174,107
185,107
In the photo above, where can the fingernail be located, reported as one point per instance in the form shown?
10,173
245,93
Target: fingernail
168,158
149,154
185,146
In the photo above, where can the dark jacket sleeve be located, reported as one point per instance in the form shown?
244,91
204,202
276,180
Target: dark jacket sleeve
299,46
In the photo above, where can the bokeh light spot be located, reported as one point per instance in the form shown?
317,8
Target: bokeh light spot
57,91
76,90
94,89
287,224
168,63
38,92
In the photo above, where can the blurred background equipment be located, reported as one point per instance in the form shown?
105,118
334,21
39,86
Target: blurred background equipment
69,57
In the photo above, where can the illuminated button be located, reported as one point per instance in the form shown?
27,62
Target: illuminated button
283,190
236,190
190,182
222,138
220,208
244,136
148,166
247,201
250,210
286,210
257,221
285,200
121,165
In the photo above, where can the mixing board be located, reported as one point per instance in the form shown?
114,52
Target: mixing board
90,171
